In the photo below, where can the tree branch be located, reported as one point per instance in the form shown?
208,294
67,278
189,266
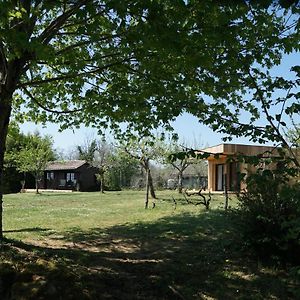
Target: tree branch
3,64
269,118
56,24
70,75
46,108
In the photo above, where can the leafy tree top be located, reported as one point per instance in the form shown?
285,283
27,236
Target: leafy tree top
139,62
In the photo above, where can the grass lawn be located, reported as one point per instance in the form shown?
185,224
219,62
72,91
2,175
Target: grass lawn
107,246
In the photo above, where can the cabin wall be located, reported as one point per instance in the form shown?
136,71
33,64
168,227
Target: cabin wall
84,179
230,172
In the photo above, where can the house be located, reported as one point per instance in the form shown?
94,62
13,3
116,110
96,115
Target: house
221,171
76,175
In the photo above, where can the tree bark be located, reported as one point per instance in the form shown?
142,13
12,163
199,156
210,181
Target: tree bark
5,111
180,182
102,184
151,187
9,77
36,185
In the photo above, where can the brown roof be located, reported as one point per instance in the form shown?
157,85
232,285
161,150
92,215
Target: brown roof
64,165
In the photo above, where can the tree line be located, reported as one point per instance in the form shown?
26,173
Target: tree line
134,163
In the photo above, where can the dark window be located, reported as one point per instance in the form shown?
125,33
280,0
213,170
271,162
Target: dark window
50,175
70,177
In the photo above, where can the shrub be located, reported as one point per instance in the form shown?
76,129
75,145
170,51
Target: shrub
270,212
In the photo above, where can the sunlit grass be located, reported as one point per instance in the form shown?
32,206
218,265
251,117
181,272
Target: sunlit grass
107,246
59,212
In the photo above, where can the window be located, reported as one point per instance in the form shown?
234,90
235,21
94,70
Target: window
220,177
50,175
70,178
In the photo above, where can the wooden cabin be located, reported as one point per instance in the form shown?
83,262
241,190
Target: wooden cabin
76,175
221,172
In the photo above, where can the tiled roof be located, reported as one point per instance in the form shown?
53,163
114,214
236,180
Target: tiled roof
64,165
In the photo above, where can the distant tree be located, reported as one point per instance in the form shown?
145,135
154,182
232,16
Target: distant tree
34,156
293,136
97,153
101,161
87,151
14,143
121,171
142,150
181,163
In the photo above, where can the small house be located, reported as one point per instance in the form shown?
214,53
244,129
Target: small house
76,175
224,173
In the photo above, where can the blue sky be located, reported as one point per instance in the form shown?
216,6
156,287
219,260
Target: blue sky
186,126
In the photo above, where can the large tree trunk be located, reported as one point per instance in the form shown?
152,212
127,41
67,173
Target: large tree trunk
5,111
10,73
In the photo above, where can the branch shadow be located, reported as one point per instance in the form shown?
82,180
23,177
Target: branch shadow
34,229
184,256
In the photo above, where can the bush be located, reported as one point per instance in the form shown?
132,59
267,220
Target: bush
270,212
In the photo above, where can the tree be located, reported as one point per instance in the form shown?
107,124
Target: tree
14,143
121,171
97,153
181,162
102,161
34,156
293,136
262,104
139,62
87,151
143,151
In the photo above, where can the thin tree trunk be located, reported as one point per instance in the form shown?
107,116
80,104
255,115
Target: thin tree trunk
147,188
36,185
151,187
23,182
102,185
180,182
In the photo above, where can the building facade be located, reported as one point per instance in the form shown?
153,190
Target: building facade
226,174
76,175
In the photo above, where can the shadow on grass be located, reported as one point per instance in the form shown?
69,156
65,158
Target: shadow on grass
34,229
179,257
56,194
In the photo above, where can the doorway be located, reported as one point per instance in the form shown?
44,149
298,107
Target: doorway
220,177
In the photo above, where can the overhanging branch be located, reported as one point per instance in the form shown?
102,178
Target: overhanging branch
33,99
56,24
70,75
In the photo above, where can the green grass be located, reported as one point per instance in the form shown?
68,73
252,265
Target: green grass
48,214
107,246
